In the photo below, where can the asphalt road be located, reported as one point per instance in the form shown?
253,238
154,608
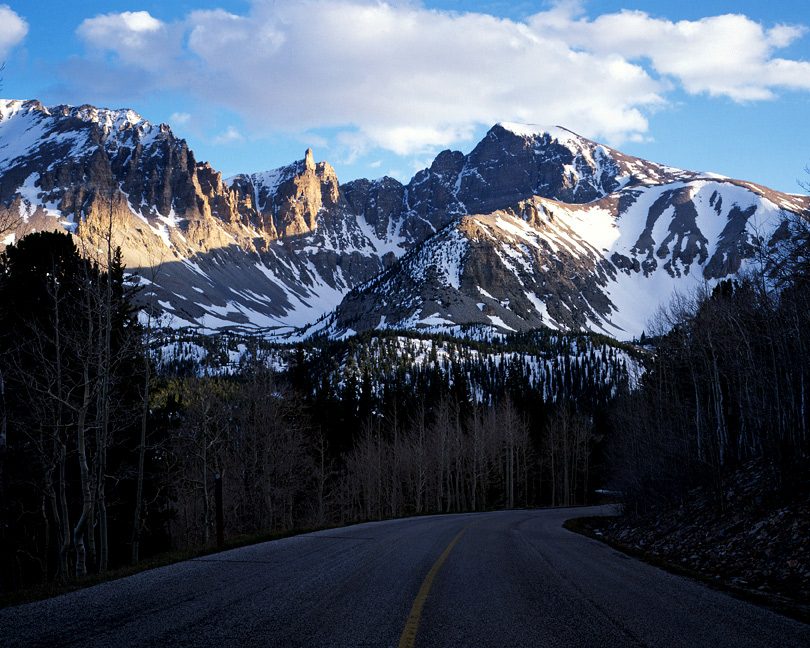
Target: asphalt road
512,578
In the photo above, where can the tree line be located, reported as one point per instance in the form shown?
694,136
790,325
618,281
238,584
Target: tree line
109,449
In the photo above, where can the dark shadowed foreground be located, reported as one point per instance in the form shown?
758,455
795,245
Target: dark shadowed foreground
512,578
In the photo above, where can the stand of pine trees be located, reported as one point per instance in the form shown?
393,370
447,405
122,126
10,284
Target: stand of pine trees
105,458
70,357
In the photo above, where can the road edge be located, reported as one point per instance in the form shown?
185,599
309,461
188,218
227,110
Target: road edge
586,526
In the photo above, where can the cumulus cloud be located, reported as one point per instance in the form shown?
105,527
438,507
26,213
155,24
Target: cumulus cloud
729,55
229,136
13,30
408,79
135,37
180,118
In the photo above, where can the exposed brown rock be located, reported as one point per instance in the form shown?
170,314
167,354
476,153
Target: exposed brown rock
755,540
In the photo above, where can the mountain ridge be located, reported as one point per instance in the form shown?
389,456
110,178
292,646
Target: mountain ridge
533,227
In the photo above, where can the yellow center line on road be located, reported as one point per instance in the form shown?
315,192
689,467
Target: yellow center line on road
408,638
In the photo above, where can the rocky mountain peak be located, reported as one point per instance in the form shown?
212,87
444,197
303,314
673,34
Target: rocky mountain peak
11,107
448,162
309,160
289,200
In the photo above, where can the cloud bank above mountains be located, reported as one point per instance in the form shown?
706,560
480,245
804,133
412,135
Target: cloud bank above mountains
406,78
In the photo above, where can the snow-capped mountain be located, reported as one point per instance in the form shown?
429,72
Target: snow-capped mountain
535,226
604,266
551,229
268,250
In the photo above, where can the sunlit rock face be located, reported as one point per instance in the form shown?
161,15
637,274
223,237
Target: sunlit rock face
536,226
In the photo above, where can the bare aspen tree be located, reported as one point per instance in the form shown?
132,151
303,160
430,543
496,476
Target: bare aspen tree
514,440
154,269
83,532
569,440
325,473
147,377
418,446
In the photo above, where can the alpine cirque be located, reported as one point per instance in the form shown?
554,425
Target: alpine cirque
535,226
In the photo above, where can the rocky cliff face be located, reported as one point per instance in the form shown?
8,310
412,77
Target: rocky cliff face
532,227
287,202
270,250
605,265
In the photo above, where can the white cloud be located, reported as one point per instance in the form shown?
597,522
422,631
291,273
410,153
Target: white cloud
729,55
135,37
13,30
229,136
180,119
411,80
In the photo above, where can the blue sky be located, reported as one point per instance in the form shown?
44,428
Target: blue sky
379,88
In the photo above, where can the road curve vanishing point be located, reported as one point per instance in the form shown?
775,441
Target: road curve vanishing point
508,578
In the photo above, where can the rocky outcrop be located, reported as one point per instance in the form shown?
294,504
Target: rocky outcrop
382,204
292,205
751,539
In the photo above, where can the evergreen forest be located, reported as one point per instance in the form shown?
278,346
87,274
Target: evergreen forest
116,437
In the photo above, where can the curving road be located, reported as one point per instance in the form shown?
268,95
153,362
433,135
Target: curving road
511,578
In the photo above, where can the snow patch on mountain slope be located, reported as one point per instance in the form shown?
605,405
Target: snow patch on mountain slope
307,302
542,309
530,131
497,321
592,224
20,133
636,301
393,243
446,259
